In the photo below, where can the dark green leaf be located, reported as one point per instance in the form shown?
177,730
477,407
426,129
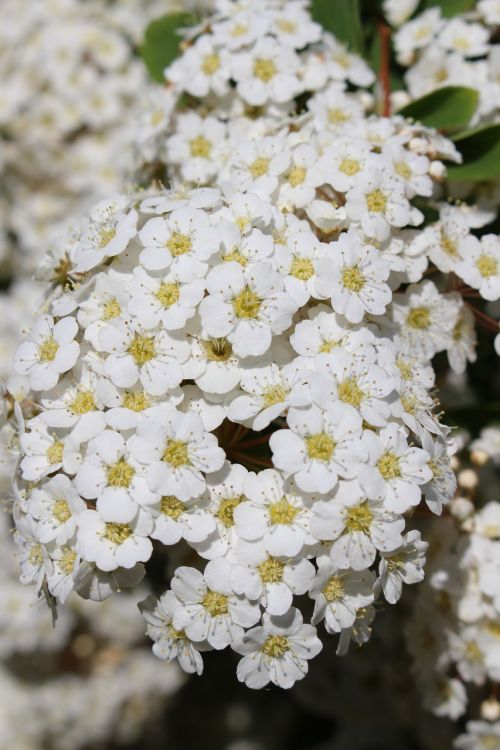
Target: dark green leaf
162,42
480,149
342,18
449,8
449,108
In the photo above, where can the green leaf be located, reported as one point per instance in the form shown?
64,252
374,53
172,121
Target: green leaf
449,8
342,18
162,42
449,108
480,149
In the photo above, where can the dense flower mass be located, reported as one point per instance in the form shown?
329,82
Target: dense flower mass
240,365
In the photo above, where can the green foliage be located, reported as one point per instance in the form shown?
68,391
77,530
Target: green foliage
448,108
342,18
449,8
480,149
162,42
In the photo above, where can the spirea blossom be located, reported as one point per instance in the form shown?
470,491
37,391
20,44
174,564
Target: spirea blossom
252,385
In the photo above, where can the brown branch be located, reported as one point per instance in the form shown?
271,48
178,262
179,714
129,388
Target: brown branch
385,67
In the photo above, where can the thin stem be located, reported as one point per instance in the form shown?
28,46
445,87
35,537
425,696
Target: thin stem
385,67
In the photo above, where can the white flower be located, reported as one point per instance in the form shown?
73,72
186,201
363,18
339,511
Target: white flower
209,609
177,452
49,351
54,504
197,146
182,242
378,202
441,488
403,565
354,380
317,337
152,356
338,594
271,580
468,39
203,68
112,545
320,446
108,233
272,390
426,319
65,567
226,489
479,734
274,513
341,164
480,266
175,520
462,347
298,184
170,643
45,453
296,257
110,474
354,278
394,471
277,651
108,300
164,299
267,72
247,306
357,525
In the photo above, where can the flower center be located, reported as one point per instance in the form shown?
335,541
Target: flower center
82,403
283,512
176,453
210,64
271,570
200,147
403,170
376,201
296,176
168,293
247,304
327,345
111,309
264,69
449,246
216,604
350,393
225,512
117,532
405,369
179,244
55,452
48,350
419,318
334,589
35,556
288,27
394,563
275,646
302,268
358,518
275,394
106,234
349,167
142,349
239,30
176,635
320,447
172,507
337,116
487,265
61,511
353,279
120,474
259,167
236,256
388,465
67,561
135,401
217,350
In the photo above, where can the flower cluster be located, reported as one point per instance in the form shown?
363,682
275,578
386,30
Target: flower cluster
460,51
453,635
240,366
